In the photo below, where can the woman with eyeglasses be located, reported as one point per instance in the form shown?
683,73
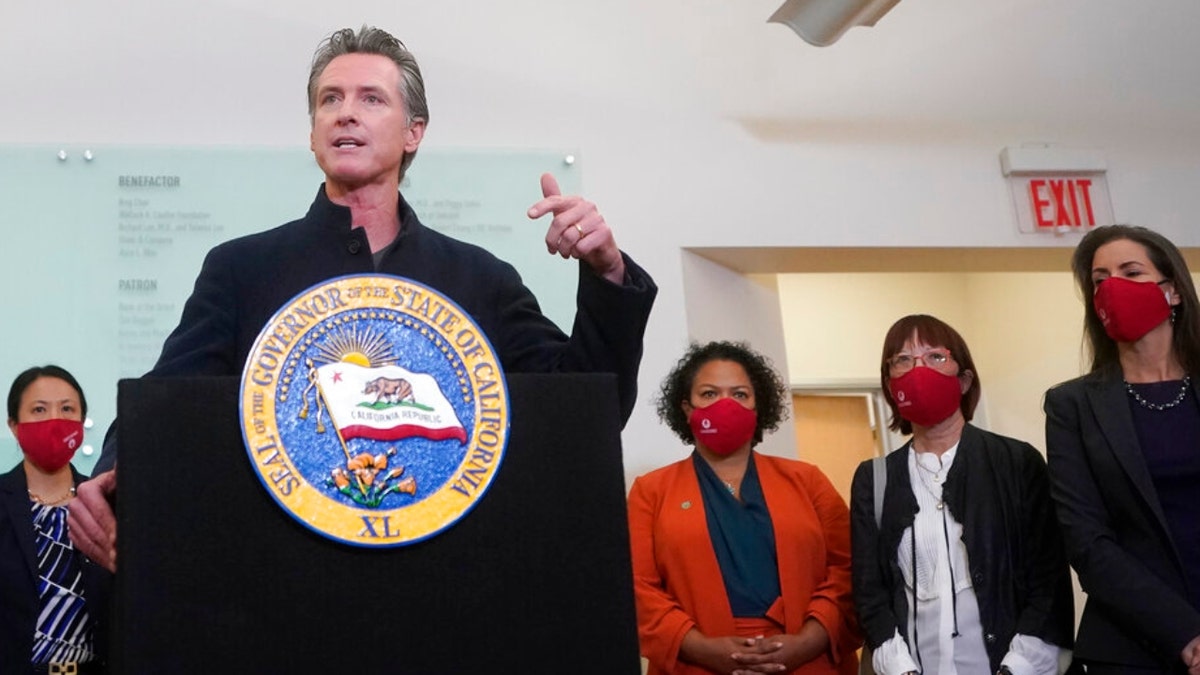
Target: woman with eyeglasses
1123,446
960,568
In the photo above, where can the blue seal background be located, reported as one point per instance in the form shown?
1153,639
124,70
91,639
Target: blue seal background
431,463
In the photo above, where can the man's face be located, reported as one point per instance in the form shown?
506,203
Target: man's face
359,130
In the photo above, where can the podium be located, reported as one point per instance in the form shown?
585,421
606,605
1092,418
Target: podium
214,576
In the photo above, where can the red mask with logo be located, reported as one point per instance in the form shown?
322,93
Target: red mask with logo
50,444
925,396
1130,309
724,426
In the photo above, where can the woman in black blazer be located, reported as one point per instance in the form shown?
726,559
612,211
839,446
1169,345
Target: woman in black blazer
51,599
1123,446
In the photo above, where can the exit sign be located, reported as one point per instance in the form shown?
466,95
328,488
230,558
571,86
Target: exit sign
1057,191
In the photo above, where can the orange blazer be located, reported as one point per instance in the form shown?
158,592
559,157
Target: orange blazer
677,580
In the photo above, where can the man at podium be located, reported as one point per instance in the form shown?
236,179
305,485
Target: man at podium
368,112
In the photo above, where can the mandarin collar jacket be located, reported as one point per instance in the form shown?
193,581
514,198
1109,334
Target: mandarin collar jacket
243,282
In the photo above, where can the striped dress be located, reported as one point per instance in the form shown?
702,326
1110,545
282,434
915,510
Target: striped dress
64,629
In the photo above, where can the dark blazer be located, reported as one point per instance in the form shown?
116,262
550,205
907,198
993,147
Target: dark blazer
19,572
243,283
998,489
1137,611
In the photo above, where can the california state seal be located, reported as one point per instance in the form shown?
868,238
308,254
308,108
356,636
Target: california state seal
374,410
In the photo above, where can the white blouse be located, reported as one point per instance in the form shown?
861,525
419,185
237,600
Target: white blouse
946,601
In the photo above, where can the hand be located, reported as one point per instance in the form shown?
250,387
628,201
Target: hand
780,653
715,653
579,231
761,657
768,655
1191,656
91,523
775,654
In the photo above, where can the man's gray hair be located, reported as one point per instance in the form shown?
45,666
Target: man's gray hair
371,40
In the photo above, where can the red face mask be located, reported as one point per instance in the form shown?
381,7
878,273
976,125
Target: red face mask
925,396
50,444
1130,309
723,426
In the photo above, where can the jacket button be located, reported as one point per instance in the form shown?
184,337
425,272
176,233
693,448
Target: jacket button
990,638
353,246
977,577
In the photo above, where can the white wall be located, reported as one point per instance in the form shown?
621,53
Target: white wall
698,124
835,323
1026,334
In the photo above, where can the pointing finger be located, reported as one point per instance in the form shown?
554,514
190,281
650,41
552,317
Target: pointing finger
552,199
550,186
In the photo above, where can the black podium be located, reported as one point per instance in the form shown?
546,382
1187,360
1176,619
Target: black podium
214,577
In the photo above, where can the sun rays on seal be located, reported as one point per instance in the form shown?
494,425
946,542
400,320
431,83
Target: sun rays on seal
367,348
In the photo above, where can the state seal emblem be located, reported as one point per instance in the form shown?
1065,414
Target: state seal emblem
374,410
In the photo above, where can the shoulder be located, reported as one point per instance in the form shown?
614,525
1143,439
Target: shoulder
261,240
651,487
255,249
974,434
994,443
14,478
894,465
794,470
664,473
321,217
796,467
1076,387
433,241
866,468
864,472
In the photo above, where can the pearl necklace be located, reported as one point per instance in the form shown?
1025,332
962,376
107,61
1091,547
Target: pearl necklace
1187,382
52,502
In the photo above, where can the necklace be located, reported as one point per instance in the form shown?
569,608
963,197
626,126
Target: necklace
935,476
52,502
729,486
1187,382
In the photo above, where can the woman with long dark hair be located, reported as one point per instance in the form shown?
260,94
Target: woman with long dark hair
1123,445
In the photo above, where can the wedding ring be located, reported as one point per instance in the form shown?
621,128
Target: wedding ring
579,229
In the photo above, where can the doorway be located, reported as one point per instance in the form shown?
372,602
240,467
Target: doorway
838,430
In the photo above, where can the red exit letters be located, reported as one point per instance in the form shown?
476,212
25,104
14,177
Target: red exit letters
1062,202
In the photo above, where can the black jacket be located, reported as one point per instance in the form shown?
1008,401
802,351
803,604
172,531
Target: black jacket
19,573
998,489
1117,538
245,281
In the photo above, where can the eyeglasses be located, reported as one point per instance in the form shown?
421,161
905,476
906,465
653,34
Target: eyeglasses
934,358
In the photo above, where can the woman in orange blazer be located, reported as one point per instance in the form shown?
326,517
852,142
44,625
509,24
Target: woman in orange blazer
741,560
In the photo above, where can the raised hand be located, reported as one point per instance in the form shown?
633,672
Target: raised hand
579,231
